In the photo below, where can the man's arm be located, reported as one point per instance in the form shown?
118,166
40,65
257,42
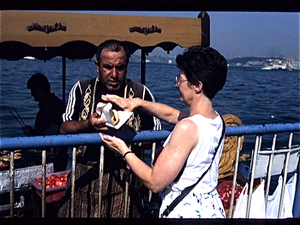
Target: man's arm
84,126
72,124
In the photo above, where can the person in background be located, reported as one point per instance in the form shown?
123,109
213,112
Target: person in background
197,136
112,58
48,119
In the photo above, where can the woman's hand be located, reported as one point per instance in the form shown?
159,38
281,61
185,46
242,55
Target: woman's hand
114,143
128,104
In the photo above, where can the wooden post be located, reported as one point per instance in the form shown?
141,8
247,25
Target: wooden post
64,79
143,67
205,40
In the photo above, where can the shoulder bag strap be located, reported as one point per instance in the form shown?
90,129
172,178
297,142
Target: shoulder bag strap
187,190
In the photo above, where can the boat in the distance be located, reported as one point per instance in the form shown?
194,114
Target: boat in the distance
275,64
29,58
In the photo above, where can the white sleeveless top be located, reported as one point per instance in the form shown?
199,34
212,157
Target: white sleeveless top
210,131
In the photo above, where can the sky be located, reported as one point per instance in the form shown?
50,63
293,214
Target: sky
240,34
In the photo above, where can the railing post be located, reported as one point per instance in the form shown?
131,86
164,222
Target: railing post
253,166
270,170
127,181
74,153
287,157
44,153
101,171
235,175
12,184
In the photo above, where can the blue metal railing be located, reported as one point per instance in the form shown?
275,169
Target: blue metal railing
75,140
94,138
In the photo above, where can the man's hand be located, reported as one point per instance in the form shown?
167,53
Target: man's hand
95,123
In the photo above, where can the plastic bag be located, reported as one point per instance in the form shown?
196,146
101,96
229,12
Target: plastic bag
291,190
274,199
241,204
296,206
257,208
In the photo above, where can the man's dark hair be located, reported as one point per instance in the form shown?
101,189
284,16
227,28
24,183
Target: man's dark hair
38,80
112,45
206,65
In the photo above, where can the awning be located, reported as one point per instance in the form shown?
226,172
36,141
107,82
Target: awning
45,35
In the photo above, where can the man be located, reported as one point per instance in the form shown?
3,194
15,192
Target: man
48,118
112,59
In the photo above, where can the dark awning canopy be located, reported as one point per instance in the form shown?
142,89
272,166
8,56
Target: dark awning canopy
13,50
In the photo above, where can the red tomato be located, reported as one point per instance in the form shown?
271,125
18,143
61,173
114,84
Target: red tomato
53,176
48,182
39,180
58,182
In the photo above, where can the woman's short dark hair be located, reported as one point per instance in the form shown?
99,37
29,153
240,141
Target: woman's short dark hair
114,46
204,64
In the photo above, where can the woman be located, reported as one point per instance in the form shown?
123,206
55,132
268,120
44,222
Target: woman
188,151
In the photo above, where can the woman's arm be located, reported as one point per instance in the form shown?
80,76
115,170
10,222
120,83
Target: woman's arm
159,110
169,163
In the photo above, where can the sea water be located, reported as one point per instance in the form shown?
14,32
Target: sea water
253,95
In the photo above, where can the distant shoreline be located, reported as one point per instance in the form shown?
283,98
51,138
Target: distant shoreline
236,61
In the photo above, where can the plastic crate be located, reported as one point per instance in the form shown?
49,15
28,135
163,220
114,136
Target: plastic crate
52,194
21,176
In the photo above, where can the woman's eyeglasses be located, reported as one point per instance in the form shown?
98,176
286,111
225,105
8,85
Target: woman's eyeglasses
179,80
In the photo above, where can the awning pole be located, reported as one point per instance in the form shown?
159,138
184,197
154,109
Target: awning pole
64,79
205,41
143,67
